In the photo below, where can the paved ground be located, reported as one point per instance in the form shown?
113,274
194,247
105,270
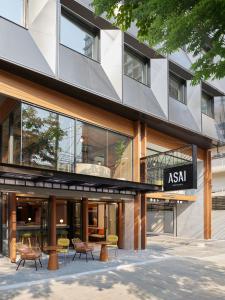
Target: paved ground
170,269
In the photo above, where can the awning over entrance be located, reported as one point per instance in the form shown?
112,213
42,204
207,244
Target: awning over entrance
171,196
42,178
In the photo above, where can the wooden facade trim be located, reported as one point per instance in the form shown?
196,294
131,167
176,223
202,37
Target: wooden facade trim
169,142
22,89
171,196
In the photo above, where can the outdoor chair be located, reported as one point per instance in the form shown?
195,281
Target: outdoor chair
82,248
64,243
113,243
28,253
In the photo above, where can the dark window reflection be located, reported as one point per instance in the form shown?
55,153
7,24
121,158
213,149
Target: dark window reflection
76,37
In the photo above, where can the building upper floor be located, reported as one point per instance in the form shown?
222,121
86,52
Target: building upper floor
63,40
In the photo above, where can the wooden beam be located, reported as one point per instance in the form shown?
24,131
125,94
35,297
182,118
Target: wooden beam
171,196
207,195
137,207
12,227
85,219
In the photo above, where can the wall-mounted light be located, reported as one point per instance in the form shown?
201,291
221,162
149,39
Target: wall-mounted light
81,139
61,221
29,219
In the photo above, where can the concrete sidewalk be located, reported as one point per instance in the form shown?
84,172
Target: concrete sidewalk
9,277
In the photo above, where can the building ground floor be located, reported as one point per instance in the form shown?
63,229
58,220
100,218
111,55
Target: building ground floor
69,168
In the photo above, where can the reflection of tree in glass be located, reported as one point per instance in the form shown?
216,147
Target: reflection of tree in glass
41,137
120,147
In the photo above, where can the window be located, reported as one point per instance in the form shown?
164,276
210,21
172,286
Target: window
177,88
35,137
76,36
135,66
13,10
207,105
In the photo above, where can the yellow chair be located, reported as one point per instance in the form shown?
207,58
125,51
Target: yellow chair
113,243
64,243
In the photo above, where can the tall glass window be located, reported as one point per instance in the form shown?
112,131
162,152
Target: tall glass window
32,136
120,156
91,150
77,37
47,139
135,66
13,10
207,105
66,144
177,88
5,141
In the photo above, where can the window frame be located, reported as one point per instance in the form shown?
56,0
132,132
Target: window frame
24,15
183,84
84,26
144,60
211,99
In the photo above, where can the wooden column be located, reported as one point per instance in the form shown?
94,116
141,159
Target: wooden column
207,194
137,207
12,226
52,207
143,178
121,211
143,221
137,150
53,263
85,219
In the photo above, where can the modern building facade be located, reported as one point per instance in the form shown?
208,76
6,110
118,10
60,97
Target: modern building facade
90,119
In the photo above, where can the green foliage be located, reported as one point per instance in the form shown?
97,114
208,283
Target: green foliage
120,147
172,24
41,137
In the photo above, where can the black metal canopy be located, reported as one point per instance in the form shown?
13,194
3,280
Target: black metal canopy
44,178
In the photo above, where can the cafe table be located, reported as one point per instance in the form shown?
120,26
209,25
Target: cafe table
53,263
104,253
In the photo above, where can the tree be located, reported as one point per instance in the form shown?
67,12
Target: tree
41,137
198,25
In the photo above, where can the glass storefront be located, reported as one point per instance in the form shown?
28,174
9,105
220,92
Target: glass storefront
32,220
35,137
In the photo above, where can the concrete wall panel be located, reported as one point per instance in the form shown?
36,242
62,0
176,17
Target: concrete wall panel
18,47
141,97
180,114
159,82
43,28
84,72
111,44
190,215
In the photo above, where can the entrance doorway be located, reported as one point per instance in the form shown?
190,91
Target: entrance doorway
102,220
161,218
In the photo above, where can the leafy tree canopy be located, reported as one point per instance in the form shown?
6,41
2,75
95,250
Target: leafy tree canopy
198,25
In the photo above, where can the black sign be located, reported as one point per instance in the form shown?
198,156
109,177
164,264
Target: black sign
180,178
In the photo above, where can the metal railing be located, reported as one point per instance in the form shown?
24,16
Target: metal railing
152,166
